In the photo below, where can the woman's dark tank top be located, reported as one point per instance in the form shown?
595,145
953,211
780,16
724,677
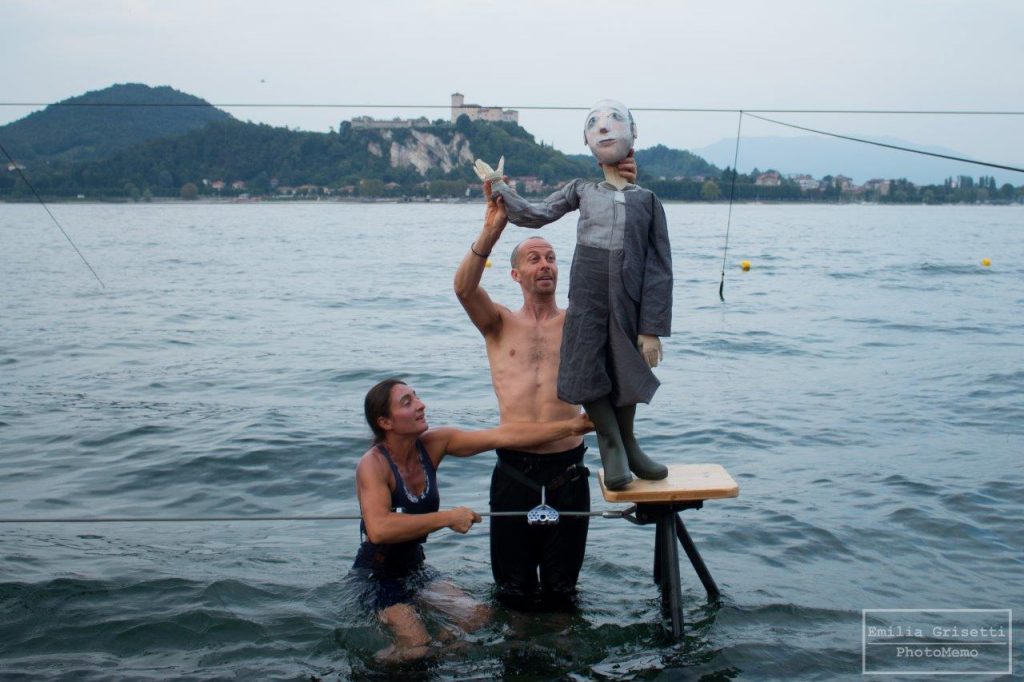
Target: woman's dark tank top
399,558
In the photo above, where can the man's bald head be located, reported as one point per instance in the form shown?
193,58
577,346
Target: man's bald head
515,252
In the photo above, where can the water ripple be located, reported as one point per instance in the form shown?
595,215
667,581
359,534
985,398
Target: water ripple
864,392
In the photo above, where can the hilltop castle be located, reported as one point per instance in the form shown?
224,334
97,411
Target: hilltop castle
475,112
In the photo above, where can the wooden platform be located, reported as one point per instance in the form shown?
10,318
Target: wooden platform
684,482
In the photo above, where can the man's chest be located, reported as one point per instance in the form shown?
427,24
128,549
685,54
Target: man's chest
534,346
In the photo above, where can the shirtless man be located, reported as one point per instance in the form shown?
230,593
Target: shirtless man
533,566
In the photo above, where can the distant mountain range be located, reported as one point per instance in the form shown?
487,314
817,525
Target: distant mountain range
819,156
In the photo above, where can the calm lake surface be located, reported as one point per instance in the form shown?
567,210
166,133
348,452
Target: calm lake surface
863,383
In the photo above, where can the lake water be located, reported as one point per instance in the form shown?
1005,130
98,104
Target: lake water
863,383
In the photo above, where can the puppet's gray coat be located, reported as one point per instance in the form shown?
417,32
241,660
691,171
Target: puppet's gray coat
620,285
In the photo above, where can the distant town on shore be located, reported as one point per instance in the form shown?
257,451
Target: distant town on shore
134,142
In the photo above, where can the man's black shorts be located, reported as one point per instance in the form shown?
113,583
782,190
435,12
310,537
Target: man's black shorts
538,566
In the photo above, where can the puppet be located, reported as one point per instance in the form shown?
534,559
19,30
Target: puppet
620,291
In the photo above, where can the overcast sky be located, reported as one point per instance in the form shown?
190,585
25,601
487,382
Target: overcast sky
838,54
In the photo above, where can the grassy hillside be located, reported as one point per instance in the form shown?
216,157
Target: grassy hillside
264,157
101,123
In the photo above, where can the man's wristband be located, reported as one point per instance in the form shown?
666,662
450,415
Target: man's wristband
472,247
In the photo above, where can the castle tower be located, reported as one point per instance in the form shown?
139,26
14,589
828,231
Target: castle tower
458,99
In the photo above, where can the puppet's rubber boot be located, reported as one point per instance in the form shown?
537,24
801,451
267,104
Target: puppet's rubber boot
639,463
609,441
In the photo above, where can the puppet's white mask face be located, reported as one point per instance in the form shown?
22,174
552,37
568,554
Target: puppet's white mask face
609,131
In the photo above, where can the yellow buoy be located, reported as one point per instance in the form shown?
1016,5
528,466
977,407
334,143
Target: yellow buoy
487,263
986,262
745,265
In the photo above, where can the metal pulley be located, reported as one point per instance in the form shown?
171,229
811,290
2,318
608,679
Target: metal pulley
542,514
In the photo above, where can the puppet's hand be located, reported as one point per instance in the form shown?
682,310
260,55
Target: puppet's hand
486,173
650,348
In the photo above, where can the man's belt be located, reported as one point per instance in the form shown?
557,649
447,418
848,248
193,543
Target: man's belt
572,473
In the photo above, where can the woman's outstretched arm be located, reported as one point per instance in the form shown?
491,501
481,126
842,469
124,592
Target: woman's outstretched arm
515,435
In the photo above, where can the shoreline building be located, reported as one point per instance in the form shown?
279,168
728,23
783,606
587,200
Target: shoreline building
806,182
475,112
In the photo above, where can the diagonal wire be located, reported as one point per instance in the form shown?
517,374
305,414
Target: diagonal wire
732,195
16,167
889,146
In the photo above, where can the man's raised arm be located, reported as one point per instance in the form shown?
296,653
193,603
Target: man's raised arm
481,310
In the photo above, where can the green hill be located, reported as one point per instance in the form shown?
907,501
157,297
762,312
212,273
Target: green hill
99,124
265,158
134,141
662,162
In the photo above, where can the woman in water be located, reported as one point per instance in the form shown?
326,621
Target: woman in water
399,502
